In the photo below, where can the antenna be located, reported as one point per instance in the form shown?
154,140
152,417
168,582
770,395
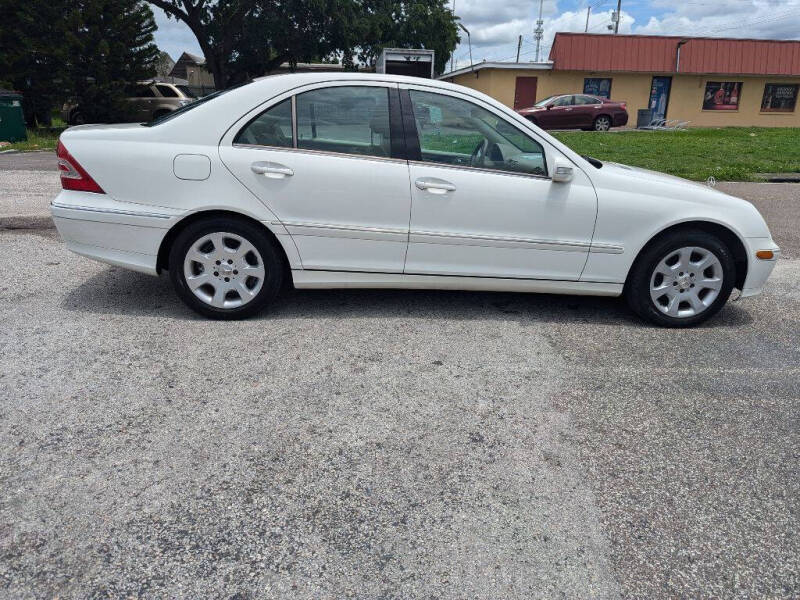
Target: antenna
539,31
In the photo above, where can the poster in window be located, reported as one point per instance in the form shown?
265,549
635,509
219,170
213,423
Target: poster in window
722,95
779,97
597,87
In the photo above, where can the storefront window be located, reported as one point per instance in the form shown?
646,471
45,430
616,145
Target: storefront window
722,95
779,97
597,87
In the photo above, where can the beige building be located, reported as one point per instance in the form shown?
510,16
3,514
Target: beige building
709,82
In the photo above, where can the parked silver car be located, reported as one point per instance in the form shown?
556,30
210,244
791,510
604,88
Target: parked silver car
150,99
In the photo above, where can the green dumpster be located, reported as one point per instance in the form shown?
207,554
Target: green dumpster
12,121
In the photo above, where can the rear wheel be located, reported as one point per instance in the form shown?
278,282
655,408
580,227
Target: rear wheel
225,268
77,118
681,280
602,123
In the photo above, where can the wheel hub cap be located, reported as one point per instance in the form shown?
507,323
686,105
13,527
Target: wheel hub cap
686,282
224,270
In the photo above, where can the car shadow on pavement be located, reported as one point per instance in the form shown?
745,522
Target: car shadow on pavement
122,292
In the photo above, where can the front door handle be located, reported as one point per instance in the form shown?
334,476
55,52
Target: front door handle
271,169
434,185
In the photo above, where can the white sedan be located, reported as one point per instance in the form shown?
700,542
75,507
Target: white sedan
375,181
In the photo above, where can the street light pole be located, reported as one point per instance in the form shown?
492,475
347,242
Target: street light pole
469,41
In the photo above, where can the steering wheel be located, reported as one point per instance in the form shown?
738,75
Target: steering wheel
478,155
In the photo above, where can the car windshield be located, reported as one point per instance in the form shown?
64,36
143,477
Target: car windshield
545,101
186,91
184,109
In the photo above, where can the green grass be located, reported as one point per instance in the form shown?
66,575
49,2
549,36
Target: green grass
728,154
38,139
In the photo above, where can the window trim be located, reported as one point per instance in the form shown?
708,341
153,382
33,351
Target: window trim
409,116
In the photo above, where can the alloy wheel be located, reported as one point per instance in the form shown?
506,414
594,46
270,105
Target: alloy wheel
686,282
224,270
602,124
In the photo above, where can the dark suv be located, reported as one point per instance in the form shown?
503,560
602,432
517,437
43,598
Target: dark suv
576,111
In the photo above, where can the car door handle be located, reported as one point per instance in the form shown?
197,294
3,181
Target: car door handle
434,185
271,170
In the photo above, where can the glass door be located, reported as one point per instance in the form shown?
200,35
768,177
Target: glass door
659,97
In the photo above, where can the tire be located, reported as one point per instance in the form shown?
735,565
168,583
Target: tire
682,279
76,118
225,268
602,123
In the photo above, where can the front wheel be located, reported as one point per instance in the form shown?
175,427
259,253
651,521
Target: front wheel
225,268
681,280
602,123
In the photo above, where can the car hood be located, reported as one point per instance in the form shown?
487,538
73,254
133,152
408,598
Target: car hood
656,178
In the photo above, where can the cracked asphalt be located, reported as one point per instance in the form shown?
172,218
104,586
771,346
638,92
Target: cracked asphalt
388,444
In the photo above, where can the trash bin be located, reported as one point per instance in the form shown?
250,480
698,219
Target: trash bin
12,121
644,116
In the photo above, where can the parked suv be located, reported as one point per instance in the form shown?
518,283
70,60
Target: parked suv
576,111
150,99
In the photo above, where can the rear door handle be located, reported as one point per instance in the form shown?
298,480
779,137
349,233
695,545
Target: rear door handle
434,185
271,169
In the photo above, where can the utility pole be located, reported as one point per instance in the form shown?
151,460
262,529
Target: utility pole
453,13
539,31
616,23
519,46
588,12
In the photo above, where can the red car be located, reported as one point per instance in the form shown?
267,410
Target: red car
576,111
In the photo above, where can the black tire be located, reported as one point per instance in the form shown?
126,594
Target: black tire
270,256
602,123
637,288
76,118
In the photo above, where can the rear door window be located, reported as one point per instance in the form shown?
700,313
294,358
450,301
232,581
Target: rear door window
143,91
347,120
166,91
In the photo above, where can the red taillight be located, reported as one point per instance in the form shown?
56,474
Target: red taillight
73,175
624,105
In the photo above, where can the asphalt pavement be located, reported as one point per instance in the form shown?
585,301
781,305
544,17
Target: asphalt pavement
388,444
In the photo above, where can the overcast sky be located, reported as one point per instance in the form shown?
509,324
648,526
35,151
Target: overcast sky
495,26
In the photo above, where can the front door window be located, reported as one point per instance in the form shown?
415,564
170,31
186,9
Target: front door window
456,132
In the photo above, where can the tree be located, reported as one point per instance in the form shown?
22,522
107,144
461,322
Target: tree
410,24
246,38
110,45
87,50
32,54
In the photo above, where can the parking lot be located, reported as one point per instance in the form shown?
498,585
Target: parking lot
388,444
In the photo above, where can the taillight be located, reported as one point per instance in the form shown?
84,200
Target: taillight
73,175
624,105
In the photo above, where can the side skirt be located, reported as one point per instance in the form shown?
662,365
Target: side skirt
306,279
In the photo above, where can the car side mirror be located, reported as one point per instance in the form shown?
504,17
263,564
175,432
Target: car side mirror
549,106
562,171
